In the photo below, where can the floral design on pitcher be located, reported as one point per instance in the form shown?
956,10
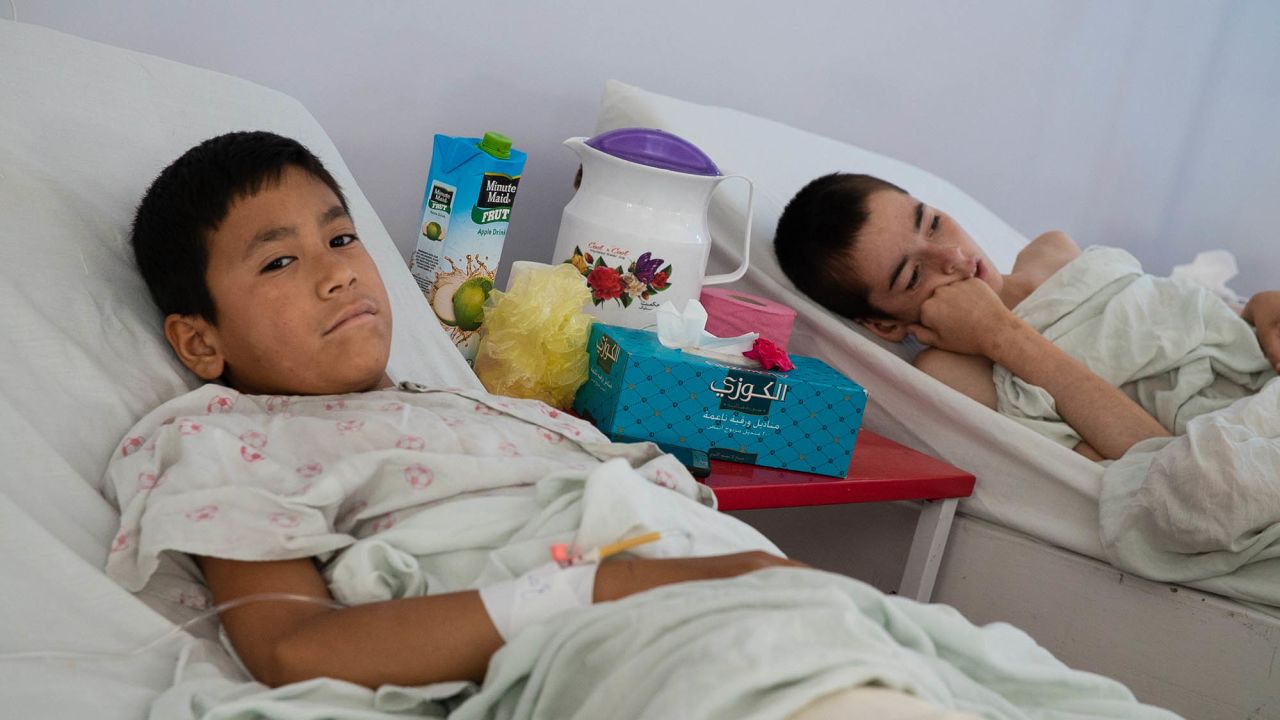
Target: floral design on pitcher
641,280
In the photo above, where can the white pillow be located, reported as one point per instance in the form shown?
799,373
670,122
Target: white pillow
84,129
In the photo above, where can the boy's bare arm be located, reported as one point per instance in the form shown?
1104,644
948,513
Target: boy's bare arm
966,317
1107,420
411,641
971,375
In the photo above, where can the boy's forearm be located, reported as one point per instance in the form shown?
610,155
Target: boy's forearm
1107,419
621,577
416,641
412,641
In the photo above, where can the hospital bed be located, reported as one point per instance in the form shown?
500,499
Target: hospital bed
1025,547
83,129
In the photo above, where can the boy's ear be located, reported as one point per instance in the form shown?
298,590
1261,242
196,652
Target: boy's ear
891,330
195,340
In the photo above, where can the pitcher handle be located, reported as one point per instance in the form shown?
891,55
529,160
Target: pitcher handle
746,243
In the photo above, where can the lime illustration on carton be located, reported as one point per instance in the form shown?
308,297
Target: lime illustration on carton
466,210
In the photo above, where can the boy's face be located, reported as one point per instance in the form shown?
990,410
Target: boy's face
907,250
301,307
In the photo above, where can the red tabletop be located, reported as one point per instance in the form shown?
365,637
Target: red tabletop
880,470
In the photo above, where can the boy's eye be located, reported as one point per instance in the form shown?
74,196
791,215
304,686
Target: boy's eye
915,278
277,264
343,240
934,225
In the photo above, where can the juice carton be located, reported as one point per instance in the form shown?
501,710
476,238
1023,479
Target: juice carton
465,213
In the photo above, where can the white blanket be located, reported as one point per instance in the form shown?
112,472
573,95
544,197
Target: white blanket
494,482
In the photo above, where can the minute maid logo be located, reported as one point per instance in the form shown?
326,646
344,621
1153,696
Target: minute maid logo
441,198
749,392
606,353
497,194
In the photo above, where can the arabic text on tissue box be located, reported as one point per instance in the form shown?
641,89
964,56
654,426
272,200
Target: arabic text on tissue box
805,420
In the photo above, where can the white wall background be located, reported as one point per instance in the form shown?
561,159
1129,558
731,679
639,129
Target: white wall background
1148,124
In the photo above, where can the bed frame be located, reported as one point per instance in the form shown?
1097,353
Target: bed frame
1201,655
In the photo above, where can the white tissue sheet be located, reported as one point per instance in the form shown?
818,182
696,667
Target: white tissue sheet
687,330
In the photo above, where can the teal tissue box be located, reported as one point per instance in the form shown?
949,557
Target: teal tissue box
805,420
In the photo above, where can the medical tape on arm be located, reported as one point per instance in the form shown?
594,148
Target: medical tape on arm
541,593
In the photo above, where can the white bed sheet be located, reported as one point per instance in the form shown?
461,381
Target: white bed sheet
1024,481
84,129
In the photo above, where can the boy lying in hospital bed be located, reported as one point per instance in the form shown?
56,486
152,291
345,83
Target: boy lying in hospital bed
418,520
1164,378
867,250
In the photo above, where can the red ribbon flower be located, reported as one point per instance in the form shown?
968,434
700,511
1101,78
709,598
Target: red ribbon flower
769,356
605,283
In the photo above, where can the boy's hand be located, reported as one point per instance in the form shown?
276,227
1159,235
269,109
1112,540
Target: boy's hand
618,578
965,317
1263,313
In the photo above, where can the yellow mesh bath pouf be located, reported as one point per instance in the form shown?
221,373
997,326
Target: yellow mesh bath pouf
534,342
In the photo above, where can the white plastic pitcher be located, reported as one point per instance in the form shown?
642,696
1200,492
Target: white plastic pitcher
637,227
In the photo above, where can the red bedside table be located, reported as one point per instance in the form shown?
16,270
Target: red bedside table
881,470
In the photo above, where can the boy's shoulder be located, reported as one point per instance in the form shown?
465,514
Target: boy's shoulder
1044,256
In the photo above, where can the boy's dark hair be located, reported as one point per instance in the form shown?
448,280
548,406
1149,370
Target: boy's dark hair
816,236
189,200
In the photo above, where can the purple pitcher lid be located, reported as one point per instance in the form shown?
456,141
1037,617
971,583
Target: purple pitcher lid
655,148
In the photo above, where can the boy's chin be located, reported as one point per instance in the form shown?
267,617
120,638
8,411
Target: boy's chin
382,382
365,383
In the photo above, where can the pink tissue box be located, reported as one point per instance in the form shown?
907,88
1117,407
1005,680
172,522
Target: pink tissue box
730,313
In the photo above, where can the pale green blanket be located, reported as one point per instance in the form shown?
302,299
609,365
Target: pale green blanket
1175,348
765,644
758,646
1202,507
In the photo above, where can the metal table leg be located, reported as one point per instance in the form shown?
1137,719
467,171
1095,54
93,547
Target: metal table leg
927,546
